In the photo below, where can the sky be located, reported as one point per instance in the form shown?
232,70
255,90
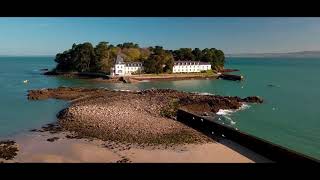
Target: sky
49,36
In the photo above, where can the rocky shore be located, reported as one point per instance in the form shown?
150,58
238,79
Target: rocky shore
145,117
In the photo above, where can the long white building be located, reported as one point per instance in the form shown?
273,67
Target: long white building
122,68
190,66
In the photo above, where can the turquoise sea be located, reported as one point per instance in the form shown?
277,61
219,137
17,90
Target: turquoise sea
290,115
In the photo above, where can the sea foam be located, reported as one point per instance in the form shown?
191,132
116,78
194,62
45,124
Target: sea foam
225,114
203,93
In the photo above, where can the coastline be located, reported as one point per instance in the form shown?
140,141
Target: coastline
135,78
131,127
172,77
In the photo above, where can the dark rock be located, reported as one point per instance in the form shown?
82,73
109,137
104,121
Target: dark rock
125,79
52,139
229,70
206,114
253,99
45,69
93,75
69,136
75,137
271,85
231,77
8,149
123,160
51,73
52,128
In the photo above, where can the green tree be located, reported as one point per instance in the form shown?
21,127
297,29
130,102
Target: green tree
149,65
132,54
184,54
84,58
65,61
157,50
159,61
197,54
103,57
208,55
168,62
128,45
168,66
144,53
220,58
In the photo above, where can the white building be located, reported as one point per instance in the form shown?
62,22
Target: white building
122,68
190,66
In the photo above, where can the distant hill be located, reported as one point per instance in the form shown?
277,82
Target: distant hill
290,54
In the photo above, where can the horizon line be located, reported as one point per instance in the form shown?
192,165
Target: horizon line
274,52
18,55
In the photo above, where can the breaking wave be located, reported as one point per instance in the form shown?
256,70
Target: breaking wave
224,115
203,93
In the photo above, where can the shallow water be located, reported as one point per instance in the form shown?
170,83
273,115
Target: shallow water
290,88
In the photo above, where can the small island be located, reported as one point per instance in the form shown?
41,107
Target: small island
128,62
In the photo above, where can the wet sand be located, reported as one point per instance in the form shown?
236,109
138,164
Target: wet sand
34,147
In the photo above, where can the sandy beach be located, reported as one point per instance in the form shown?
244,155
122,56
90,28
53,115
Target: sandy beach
34,147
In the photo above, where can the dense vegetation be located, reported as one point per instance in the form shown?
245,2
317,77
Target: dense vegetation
86,58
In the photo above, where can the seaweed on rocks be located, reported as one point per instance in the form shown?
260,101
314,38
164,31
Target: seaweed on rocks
8,149
52,139
52,128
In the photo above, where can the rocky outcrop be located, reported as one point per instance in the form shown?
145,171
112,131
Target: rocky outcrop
51,73
141,117
52,139
231,77
8,149
228,70
124,79
253,99
65,93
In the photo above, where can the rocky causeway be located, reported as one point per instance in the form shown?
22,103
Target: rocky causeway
146,117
